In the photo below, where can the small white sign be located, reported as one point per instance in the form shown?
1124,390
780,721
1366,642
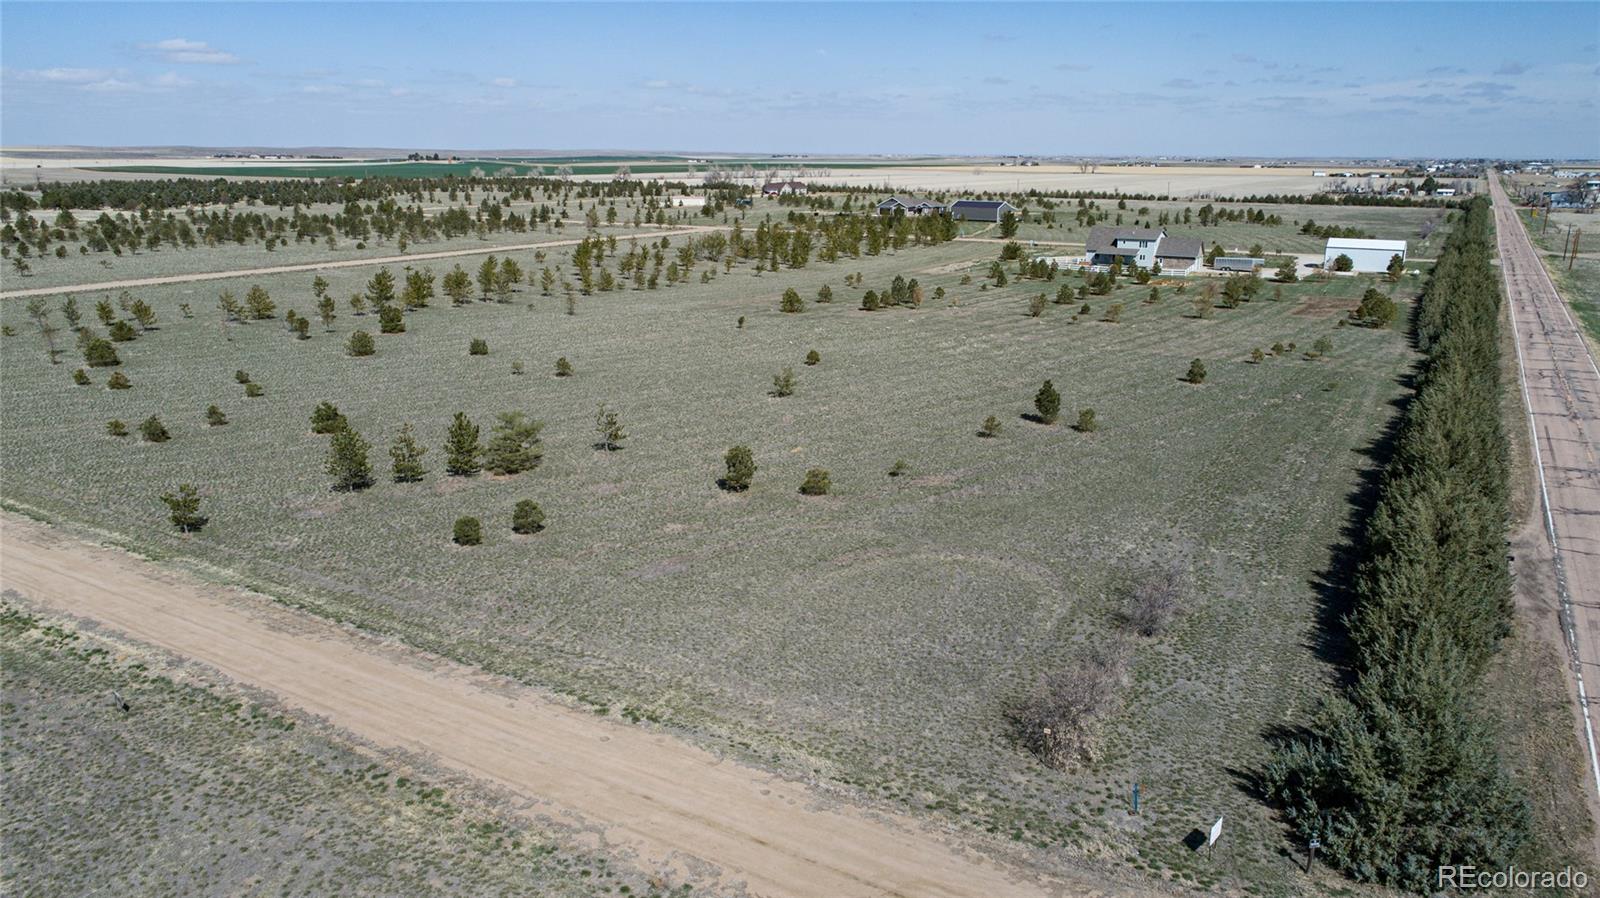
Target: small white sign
1216,833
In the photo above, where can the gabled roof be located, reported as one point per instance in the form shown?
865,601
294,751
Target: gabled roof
980,204
909,201
780,185
1180,248
1102,237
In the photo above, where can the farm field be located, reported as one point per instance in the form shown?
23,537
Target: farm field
194,770
873,638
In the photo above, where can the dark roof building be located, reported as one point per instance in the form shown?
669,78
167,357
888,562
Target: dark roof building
775,188
911,205
980,210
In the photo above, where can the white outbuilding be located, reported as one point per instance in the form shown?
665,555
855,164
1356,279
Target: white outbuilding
1367,255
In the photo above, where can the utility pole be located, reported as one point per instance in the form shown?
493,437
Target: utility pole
1574,257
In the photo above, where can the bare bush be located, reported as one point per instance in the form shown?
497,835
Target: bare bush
1153,601
1060,721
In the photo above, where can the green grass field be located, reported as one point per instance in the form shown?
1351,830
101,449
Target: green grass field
872,638
199,791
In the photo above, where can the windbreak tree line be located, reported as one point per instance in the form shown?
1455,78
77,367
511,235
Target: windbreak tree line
1400,774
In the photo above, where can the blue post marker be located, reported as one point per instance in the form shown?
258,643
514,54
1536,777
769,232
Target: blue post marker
1136,798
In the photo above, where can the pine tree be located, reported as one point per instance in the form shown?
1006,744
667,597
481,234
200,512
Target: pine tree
380,289
478,346
118,381
347,461
991,427
406,455
153,430
183,508
1197,372
514,445
391,320
116,428
325,418
527,517
1048,402
813,358
563,367
259,304
783,383
215,417
607,425
1086,421
467,532
461,448
457,285
791,301
816,483
741,468
360,344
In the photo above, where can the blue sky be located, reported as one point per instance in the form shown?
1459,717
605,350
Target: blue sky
1296,79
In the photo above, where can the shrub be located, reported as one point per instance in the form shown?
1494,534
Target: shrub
741,467
347,461
253,390
241,377
116,428
991,427
360,344
813,357
461,448
1320,348
869,301
153,430
1060,721
514,445
791,301
391,320
563,367
406,456
325,418
1048,402
740,324
516,368
816,483
527,517
1153,601
1376,309
215,417
122,332
1277,348
1086,421
99,353
1257,356
825,294
478,346
899,468
118,381
783,383
183,508
1036,306
81,377
1197,372
1113,313
1084,309
1343,263
468,532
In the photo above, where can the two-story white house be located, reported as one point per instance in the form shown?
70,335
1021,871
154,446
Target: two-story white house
1130,246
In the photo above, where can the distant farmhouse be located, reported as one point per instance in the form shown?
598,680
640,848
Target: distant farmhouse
1367,255
1143,247
980,210
783,188
910,205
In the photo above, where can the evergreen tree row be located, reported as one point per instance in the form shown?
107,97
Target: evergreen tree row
1399,775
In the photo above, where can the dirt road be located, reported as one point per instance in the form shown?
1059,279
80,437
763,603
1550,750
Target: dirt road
1561,389
323,266
662,798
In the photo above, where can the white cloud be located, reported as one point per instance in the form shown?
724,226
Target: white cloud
177,49
111,85
658,84
64,75
171,79
504,82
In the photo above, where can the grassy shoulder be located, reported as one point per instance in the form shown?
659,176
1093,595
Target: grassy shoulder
198,790
1578,277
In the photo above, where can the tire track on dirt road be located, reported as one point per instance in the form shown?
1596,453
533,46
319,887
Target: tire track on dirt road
656,799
